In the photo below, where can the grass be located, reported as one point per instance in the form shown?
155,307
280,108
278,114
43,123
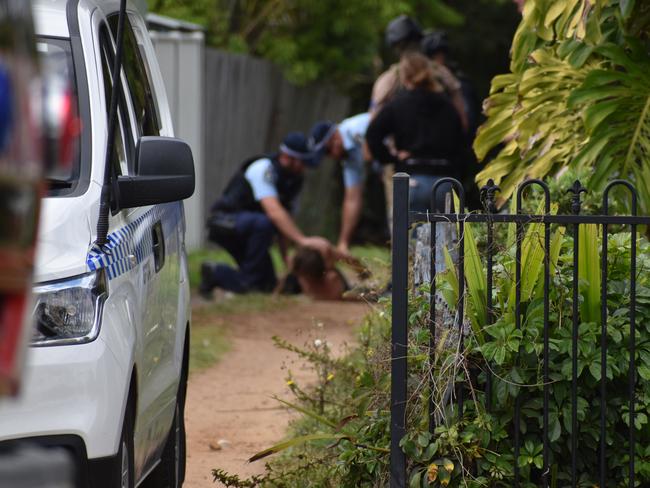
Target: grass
210,320
375,258
213,254
208,344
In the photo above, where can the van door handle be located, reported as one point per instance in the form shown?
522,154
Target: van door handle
158,246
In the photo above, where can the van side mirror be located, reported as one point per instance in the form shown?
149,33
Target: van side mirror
164,173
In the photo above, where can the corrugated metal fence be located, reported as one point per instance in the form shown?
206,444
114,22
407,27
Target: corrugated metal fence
249,107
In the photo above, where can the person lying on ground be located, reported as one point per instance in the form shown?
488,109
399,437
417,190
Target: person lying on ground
318,277
256,206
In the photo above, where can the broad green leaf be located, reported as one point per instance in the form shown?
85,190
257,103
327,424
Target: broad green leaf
596,114
416,480
626,7
554,12
579,56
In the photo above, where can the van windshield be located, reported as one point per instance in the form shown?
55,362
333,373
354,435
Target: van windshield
62,123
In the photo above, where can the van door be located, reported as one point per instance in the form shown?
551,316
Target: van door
173,222
144,228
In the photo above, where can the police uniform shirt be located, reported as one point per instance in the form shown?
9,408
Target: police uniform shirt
353,131
262,178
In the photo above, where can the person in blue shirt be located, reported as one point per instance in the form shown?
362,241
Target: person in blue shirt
255,206
344,143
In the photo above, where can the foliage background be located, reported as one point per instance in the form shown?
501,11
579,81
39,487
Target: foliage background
341,41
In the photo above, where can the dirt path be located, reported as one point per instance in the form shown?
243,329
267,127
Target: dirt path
232,401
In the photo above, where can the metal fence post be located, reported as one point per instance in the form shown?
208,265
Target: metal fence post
399,329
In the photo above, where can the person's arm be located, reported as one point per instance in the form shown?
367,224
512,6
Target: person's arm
380,128
350,215
383,90
288,228
282,219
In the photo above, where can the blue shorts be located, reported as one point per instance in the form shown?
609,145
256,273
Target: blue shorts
353,173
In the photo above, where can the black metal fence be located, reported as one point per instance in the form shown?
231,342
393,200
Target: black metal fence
404,219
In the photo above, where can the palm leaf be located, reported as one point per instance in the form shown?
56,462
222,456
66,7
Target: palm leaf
578,96
616,108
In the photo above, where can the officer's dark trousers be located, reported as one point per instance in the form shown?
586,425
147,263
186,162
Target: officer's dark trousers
249,244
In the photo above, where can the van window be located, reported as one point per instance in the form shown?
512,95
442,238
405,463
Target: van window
61,111
144,104
122,142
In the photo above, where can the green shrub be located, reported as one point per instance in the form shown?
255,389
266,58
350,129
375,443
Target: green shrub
343,436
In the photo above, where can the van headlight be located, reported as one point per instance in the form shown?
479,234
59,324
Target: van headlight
69,311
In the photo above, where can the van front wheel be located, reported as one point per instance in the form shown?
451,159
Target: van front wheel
125,474
168,474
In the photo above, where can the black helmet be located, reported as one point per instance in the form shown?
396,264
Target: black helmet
401,29
434,42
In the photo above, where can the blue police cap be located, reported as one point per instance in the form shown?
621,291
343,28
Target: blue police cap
295,145
319,135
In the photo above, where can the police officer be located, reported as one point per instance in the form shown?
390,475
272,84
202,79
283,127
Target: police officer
344,143
256,204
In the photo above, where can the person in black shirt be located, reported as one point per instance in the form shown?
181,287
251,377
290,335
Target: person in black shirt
426,131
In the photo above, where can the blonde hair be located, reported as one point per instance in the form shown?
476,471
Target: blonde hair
415,69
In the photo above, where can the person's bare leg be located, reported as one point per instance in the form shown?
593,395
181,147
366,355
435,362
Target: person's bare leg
350,216
389,171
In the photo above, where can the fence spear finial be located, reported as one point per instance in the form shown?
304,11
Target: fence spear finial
577,189
488,193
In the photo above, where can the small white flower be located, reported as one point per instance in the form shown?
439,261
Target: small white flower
318,343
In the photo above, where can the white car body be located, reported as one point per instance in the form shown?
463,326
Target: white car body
79,392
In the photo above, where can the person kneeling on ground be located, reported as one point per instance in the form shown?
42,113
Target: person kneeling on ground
255,205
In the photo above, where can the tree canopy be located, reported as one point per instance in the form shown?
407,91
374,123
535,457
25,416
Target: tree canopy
333,40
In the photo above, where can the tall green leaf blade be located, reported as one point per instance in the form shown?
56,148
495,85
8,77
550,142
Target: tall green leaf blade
295,442
589,273
449,281
476,279
308,413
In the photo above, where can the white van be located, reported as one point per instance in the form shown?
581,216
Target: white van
106,374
